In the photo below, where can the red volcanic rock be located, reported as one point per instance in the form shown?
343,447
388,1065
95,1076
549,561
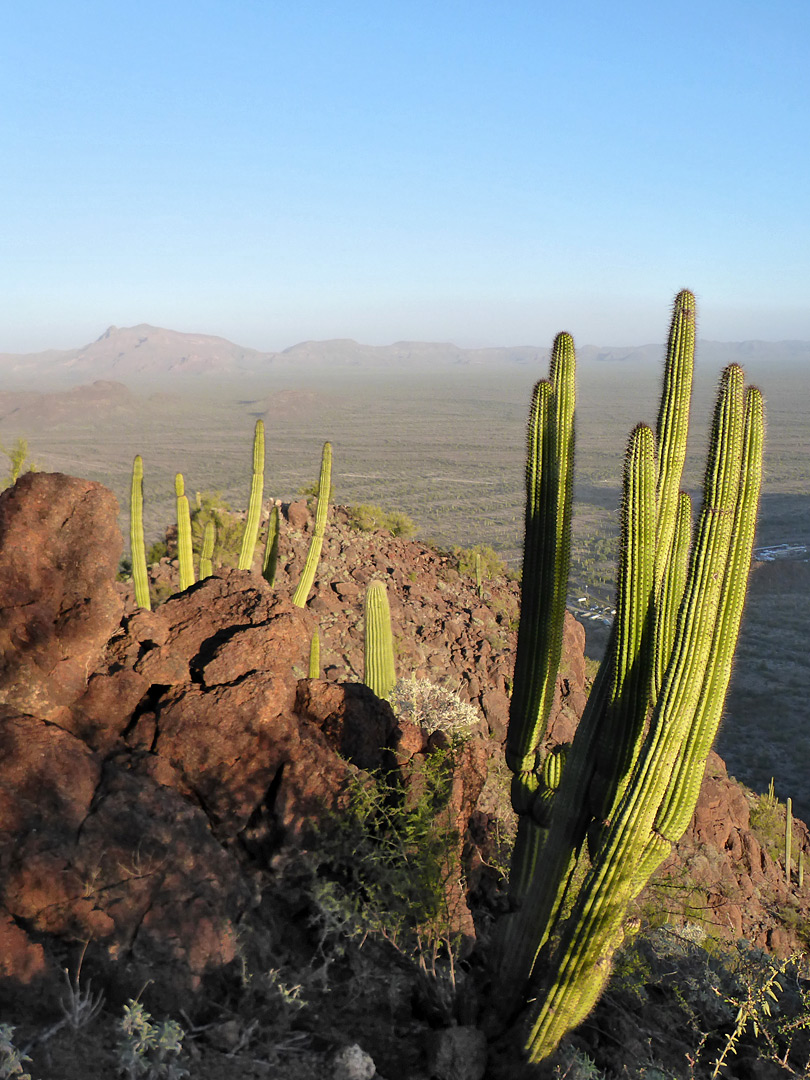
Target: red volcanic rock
59,551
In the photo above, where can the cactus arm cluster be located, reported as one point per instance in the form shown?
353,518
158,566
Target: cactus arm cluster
184,553
313,555
633,772
136,541
379,673
207,552
660,796
270,563
255,506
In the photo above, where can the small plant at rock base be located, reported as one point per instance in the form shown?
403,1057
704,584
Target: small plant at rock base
146,1049
11,1058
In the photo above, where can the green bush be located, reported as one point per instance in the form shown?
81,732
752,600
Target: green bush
229,527
492,565
366,518
382,865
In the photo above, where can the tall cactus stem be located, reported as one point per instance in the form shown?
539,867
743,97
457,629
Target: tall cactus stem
315,655
254,515
270,562
184,552
136,542
788,839
313,555
207,552
379,671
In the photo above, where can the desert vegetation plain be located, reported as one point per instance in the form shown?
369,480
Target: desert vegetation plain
447,448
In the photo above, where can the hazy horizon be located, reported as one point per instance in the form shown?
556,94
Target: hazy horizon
481,175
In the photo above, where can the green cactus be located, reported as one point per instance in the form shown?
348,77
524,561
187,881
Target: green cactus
313,555
379,672
184,552
270,563
632,774
315,655
788,839
207,552
254,516
549,486
136,541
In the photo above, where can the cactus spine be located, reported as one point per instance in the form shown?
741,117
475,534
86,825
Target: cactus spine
633,771
313,555
184,553
136,541
379,672
207,552
255,506
270,563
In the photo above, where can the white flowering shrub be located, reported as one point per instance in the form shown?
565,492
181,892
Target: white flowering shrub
434,708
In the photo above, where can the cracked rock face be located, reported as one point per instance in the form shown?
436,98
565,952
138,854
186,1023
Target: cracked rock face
59,552
150,766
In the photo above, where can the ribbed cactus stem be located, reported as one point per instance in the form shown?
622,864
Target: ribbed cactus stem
184,552
254,515
270,563
315,655
632,774
379,672
313,555
207,553
788,838
136,541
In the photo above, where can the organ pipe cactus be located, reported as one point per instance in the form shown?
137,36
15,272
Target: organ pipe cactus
207,552
379,672
270,563
313,555
549,485
255,506
315,655
631,777
788,838
136,541
184,553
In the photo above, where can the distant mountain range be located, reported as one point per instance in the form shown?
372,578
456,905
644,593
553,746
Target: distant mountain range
149,352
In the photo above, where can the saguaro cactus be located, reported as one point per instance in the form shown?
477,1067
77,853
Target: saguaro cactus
379,672
313,555
136,541
632,774
184,552
255,506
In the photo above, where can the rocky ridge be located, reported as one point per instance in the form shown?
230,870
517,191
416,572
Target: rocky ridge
161,769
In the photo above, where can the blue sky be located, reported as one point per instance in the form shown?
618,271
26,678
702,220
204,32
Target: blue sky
485,173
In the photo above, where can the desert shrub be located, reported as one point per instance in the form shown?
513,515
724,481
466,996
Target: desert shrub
492,565
434,708
229,527
367,518
18,462
382,865
11,1058
767,822
156,551
147,1049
